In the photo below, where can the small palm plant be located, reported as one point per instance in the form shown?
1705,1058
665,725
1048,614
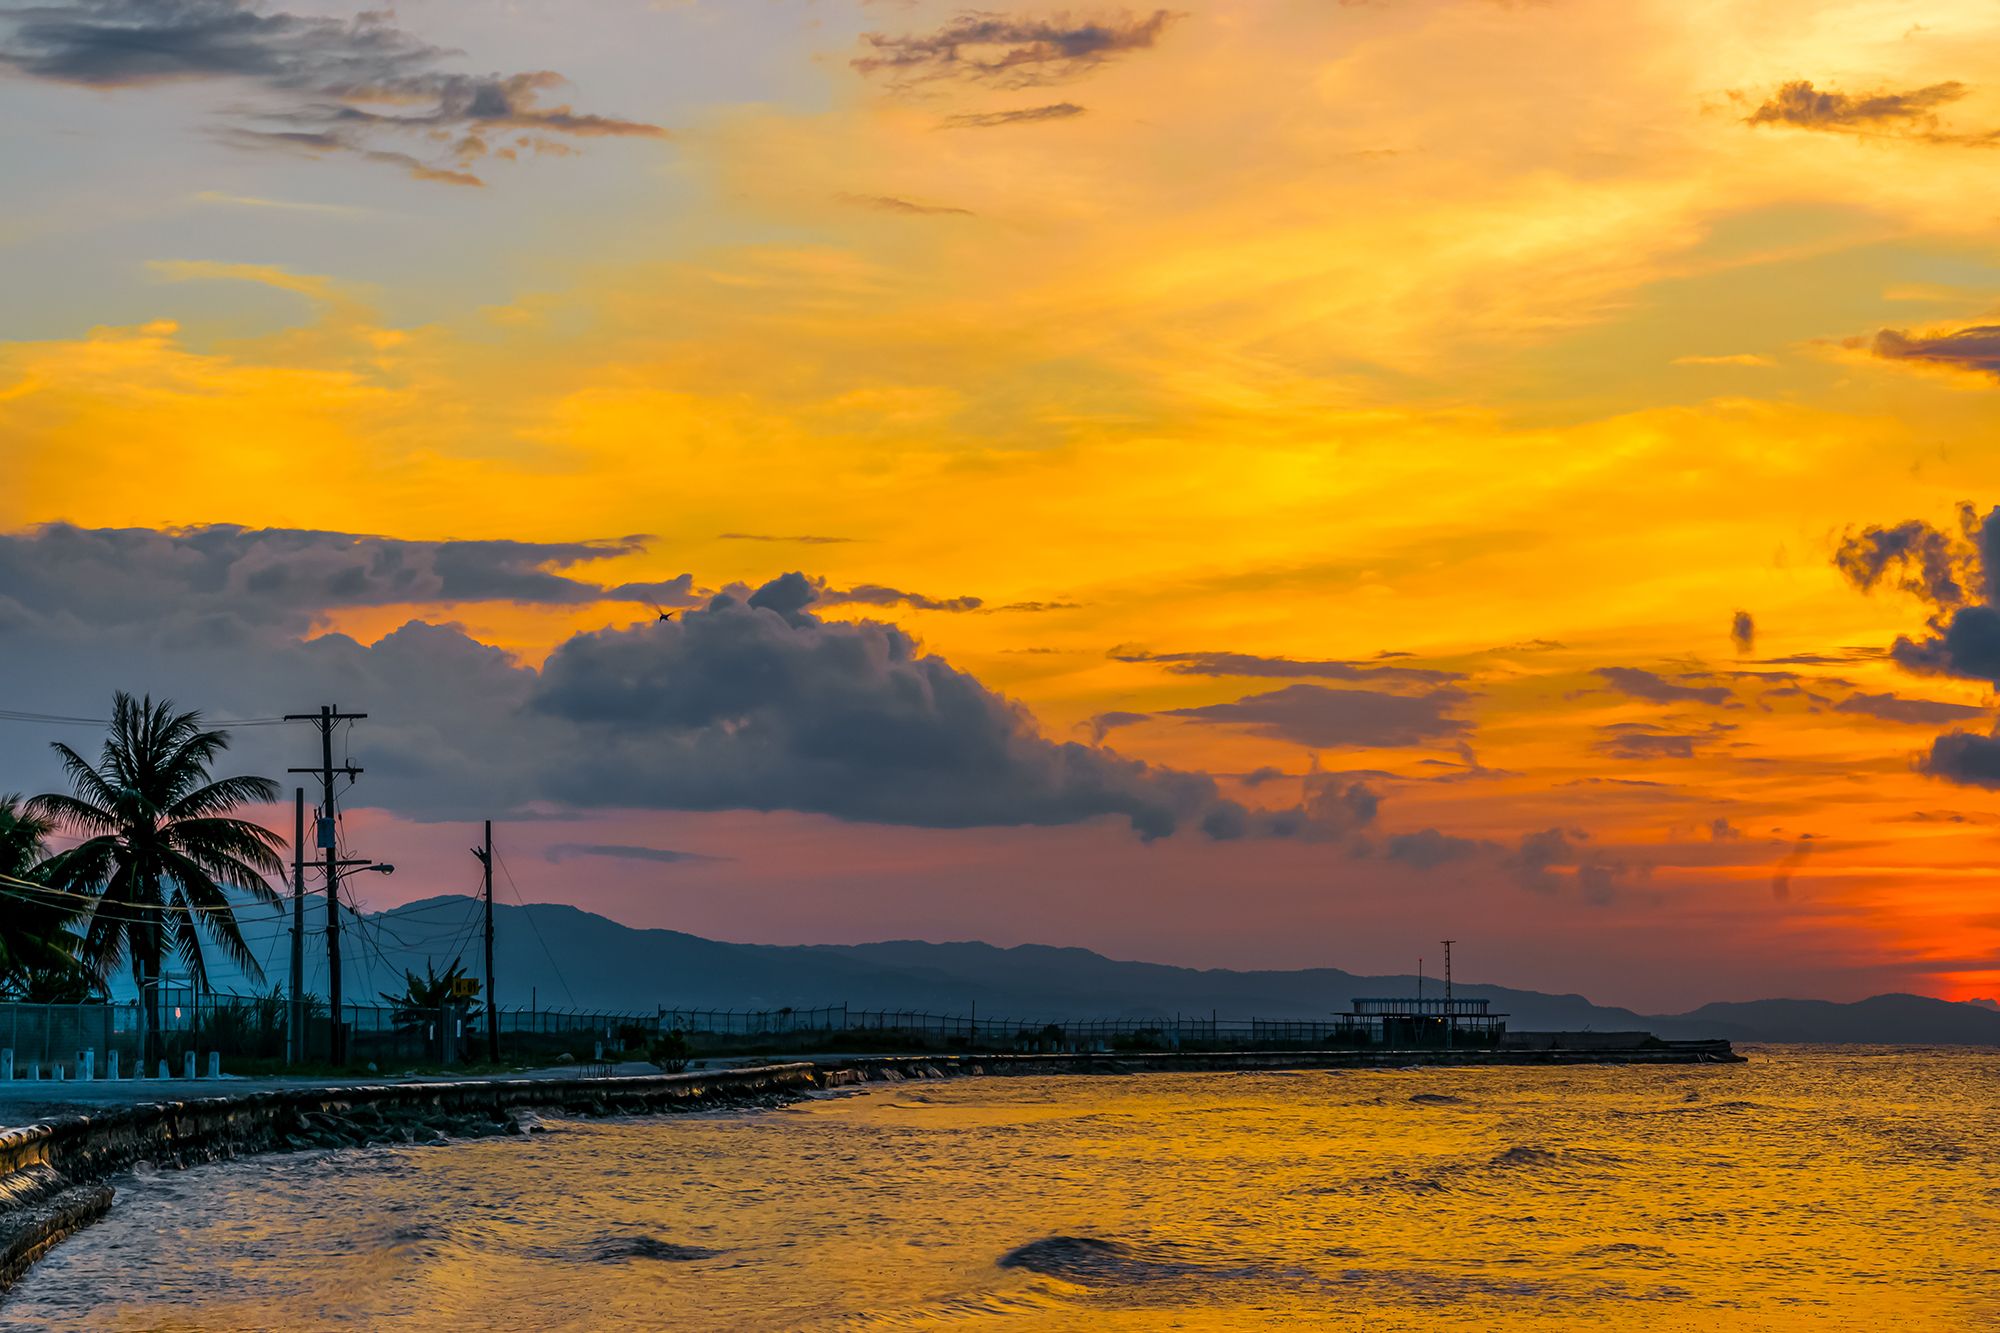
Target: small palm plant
421,1006
161,849
423,996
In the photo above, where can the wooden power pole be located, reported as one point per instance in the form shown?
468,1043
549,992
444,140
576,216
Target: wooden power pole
295,1041
485,855
329,717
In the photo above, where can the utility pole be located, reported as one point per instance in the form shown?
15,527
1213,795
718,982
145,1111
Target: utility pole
485,855
328,717
1450,1021
295,1043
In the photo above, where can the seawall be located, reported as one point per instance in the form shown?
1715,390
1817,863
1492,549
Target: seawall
53,1174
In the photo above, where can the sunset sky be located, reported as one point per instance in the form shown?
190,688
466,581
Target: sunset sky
1235,485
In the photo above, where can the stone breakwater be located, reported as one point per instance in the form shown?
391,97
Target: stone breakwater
53,1174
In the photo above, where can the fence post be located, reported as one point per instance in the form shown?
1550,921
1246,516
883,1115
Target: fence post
187,1064
89,1071
110,1064
215,1064
7,1064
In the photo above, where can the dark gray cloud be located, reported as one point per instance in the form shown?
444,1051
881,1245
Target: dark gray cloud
743,703
807,539
1324,718
220,579
793,592
1428,848
1033,607
1027,115
889,203
1950,817
1897,708
1800,105
321,85
757,704
1958,574
676,591
1646,740
1923,559
1655,688
1964,757
874,594
1552,858
1975,347
1379,671
1743,632
1104,724
557,853
1839,657
1789,865
1009,51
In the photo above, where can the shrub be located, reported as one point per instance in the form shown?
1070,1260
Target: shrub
634,1036
669,1051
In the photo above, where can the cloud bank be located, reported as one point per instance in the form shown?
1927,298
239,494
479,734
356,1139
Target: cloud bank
361,87
744,702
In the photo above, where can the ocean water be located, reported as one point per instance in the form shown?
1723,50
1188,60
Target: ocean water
1844,1189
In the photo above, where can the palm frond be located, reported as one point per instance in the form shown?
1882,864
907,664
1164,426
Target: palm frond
221,796
209,910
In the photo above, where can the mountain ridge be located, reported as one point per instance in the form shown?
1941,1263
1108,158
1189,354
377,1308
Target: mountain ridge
560,955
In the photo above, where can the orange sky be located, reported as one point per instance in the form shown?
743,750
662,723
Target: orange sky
1533,340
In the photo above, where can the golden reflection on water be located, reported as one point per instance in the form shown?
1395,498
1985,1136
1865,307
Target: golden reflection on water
1853,1189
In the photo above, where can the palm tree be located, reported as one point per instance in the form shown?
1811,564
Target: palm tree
423,996
37,948
423,999
160,849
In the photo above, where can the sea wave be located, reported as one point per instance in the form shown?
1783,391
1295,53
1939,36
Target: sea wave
615,1249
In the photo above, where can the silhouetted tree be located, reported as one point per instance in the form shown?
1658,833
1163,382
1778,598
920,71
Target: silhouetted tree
161,848
38,948
423,996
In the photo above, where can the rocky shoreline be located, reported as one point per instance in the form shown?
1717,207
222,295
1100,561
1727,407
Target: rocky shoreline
53,1174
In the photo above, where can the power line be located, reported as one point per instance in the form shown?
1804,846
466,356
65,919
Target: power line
25,888
530,918
69,720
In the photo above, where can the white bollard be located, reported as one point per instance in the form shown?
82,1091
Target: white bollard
215,1064
7,1064
62,1072
87,1069
35,1072
111,1063
600,1050
188,1065
163,1070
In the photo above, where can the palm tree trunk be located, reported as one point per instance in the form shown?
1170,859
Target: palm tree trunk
149,1007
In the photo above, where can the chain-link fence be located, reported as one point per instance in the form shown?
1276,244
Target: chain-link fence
252,1034
911,1026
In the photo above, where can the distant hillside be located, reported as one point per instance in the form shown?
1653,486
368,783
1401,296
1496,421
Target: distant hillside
1880,1018
561,957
